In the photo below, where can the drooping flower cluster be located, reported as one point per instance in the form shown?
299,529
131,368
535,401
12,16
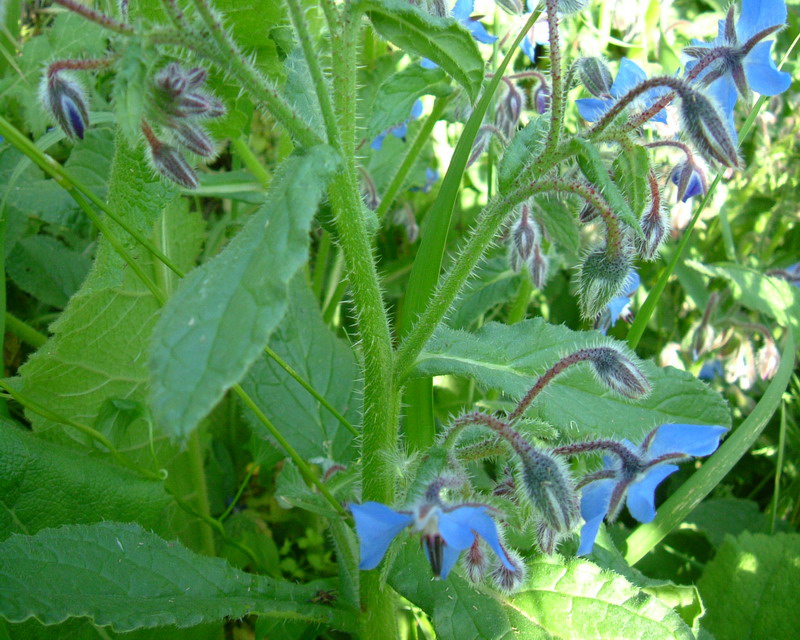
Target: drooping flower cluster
542,482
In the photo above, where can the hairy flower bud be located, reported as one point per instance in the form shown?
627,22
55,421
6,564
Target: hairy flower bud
655,228
602,275
65,99
619,373
193,137
539,266
705,125
168,161
171,80
541,99
508,580
595,76
523,237
510,110
549,488
768,359
476,562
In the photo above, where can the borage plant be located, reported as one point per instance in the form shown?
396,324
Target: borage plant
193,390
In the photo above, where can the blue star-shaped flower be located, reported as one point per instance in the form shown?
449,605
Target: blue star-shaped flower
696,184
629,76
446,532
637,474
739,58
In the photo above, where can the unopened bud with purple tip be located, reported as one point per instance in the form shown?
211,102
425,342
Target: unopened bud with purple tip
510,109
509,580
690,178
619,372
476,561
168,161
655,223
541,99
523,238
193,137
65,99
539,266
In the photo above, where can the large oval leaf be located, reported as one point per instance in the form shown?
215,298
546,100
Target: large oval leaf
511,358
221,317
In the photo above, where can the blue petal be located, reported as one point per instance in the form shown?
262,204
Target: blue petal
428,64
757,15
632,283
377,525
723,93
689,439
459,527
416,109
711,369
377,143
400,130
592,109
463,10
479,32
762,74
695,187
528,48
449,559
74,115
630,74
595,500
642,492
616,308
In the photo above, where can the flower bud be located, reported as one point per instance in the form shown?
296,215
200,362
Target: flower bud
702,340
539,266
588,213
171,80
768,359
602,276
196,77
193,137
169,162
549,487
690,179
595,76
65,99
510,110
655,228
476,562
541,99
524,235
619,373
705,126
505,579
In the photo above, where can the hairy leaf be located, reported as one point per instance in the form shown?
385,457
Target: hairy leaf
326,362
45,485
214,327
492,283
750,585
569,600
510,358
524,147
441,40
123,576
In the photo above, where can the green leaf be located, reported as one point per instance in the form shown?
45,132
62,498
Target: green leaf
442,40
131,87
45,485
510,358
46,269
249,23
559,223
769,295
326,362
721,517
299,90
750,587
492,283
123,576
214,327
397,94
524,148
630,168
593,167
96,352
569,600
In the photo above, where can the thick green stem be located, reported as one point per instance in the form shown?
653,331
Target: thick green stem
197,469
556,79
